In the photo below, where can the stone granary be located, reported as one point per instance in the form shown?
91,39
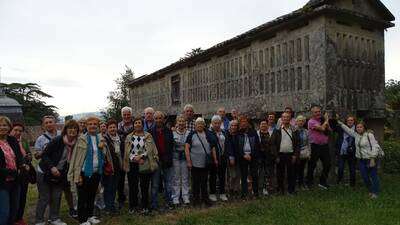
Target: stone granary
330,52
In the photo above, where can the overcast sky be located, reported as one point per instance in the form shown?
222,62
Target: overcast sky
75,49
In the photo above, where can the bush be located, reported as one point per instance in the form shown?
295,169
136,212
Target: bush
391,162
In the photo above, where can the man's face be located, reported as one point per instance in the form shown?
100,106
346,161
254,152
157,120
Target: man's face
285,118
263,126
234,127
49,125
103,128
316,112
350,121
127,116
271,119
149,115
189,113
159,119
234,113
221,112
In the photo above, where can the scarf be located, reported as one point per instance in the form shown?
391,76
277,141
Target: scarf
9,155
70,146
88,166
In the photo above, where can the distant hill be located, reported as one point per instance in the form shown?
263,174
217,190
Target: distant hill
82,115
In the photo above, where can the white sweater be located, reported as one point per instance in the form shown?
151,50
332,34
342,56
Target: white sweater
363,147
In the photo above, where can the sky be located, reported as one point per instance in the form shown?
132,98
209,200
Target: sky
76,49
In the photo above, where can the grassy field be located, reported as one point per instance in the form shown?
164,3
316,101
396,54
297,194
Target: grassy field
339,205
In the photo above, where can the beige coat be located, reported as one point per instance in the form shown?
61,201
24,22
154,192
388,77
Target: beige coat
79,155
149,145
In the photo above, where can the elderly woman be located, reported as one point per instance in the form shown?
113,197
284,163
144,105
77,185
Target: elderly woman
30,176
11,162
180,177
53,180
222,155
200,155
246,155
367,151
233,169
86,169
305,150
140,162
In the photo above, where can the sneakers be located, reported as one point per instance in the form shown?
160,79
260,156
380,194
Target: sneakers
86,223
265,192
42,223
132,211
213,197
186,201
57,222
93,220
323,186
223,197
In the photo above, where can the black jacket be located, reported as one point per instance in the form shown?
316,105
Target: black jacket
52,155
277,138
4,172
166,158
219,150
237,145
116,163
351,151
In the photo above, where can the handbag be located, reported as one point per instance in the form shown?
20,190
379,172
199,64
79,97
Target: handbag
381,153
149,166
305,153
208,161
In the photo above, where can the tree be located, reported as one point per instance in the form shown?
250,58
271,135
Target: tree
30,96
192,53
392,94
120,97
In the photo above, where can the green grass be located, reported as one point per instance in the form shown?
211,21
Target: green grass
340,205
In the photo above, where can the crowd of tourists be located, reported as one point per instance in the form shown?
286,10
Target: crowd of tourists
188,164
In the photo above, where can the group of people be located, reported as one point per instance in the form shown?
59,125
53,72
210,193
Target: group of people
189,163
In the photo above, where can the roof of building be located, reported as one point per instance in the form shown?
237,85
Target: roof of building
267,30
8,102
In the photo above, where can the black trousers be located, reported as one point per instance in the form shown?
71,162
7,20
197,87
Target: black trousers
121,187
199,184
351,161
247,167
134,178
300,166
286,167
22,200
86,196
220,173
319,152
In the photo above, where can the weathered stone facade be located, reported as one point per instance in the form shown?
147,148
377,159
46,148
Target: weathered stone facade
330,52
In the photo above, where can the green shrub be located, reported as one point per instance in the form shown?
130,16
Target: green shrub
391,162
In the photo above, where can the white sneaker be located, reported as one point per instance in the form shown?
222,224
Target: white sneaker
42,223
93,220
57,222
265,192
86,223
186,201
223,197
213,198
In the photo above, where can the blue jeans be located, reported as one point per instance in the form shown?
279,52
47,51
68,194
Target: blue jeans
9,204
110,184
161,175
369,176
351,161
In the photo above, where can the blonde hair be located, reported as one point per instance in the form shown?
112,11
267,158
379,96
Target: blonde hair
301,117
180,117
7,121
200,120
93,118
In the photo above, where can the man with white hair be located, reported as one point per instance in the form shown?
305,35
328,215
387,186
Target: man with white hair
125,127
224,120
148,119
188,112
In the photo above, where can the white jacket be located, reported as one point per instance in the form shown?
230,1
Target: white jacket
364,150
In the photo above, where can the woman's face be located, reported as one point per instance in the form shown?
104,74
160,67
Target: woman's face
350,122
4,128
360,128
199,127
103,128
234,127
72,132
92,126
181,123
138,125
17,132
216,125
112,129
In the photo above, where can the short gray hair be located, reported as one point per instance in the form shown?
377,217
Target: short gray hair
231,122
216,118
149,109
301,117
126,109
187,106
200,120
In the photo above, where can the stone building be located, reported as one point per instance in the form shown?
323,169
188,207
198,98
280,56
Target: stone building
330,52
10,107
